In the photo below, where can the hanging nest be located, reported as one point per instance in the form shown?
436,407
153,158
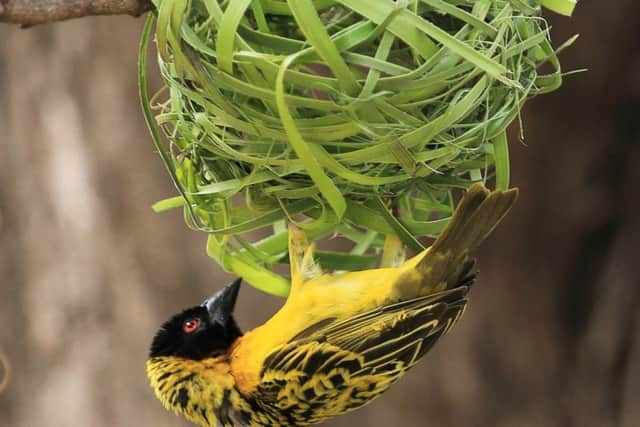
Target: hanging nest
351,118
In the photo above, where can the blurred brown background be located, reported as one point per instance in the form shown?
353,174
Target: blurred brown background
88,271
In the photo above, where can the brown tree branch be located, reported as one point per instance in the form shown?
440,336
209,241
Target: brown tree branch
34,12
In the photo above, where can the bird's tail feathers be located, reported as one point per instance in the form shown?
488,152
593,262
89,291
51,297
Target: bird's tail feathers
475,217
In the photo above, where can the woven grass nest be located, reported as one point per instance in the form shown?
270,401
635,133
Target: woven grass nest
351,118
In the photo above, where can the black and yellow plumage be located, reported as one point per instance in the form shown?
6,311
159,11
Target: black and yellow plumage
338,342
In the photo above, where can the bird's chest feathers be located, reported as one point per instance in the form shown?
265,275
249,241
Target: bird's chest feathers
316,302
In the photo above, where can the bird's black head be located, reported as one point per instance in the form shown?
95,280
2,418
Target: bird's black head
202,331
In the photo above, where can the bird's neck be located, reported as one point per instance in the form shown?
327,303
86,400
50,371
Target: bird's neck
201,390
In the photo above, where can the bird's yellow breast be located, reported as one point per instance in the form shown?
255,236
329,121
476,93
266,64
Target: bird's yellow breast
323,297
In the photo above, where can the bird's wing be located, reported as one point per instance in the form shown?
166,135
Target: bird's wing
336,366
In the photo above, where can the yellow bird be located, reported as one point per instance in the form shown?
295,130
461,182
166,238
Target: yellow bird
338,342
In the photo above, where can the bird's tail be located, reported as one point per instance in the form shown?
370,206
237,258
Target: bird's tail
446,264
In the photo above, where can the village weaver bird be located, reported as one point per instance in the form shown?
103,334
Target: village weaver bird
338,342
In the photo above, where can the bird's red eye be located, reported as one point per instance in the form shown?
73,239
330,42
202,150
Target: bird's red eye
190,325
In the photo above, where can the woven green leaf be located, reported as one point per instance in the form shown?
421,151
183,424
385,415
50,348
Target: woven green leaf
351,118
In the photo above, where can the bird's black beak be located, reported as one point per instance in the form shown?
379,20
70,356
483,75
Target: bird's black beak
221,304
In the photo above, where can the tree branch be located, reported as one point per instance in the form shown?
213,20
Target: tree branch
34,12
